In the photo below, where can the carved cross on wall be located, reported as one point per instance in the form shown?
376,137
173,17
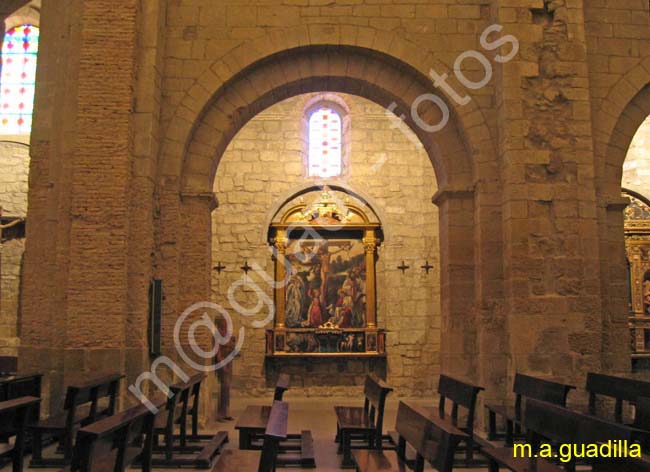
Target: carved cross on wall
427,266
246,267
403,267
219,267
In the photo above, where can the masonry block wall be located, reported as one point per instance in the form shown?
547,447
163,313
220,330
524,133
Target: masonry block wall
263,165
532,268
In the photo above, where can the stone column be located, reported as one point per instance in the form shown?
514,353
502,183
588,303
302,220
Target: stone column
280,295
370,246
458,344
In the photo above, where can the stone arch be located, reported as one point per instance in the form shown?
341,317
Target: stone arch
351,70
621,113
247,81
408,55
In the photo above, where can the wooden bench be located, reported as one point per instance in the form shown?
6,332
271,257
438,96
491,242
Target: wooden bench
622,389
525,387
176,447
362,423
264,461
118,441
8,365
546,421
415,428
17,386
252,423
14,416
295,450
459,393
82,406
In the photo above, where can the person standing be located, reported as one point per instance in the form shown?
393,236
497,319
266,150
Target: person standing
225,373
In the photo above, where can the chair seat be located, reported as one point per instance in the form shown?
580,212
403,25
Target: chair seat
508,412
231,460
368,460
504,456
353,418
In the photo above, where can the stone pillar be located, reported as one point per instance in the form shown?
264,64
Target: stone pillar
553,298
458,344
76,281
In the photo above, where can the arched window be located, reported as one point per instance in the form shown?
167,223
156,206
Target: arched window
19,51
325,158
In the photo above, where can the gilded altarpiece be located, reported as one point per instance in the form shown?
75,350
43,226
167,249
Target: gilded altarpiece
637,247
325,295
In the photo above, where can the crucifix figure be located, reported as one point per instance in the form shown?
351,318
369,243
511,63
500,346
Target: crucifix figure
403,267
427,266
246,267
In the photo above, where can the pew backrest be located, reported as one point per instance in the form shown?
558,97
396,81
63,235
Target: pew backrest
431,443
375,391
281,386
460,393
276,431
526,386
559,424
14,416
117,441
8,365
622,389
92,392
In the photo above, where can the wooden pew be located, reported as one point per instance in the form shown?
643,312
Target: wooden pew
8,365
176,447
17,386
14,416
546,421
252,423
295,450
112,444
462,394
525,386
622,389
415,428
362,423
82,406
264,461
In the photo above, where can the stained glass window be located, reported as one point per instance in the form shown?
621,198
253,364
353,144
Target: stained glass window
19,50
325,143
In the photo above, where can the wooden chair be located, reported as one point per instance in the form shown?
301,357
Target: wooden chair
362,423
415,428
114,443
460,394
265,461
82,407
621,389
14,416
524,387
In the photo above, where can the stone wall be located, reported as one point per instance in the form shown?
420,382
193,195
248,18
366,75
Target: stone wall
636,170
14,169
262,167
